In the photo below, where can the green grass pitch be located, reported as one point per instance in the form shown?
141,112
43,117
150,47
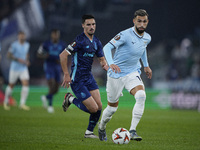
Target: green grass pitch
37,130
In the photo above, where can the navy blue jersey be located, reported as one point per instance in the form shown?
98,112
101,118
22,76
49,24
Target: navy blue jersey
83,51
54,50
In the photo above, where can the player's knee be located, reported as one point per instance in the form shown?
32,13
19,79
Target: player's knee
140,96
93,109
100,106
11,85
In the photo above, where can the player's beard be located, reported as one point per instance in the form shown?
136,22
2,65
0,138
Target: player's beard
91,33
55,40
140,31
22,40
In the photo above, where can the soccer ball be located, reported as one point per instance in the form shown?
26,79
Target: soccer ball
121,136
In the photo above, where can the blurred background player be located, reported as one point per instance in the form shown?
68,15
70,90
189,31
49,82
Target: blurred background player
82,82
124,71
18,53
49,51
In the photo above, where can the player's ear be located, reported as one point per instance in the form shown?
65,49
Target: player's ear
134,20
83,25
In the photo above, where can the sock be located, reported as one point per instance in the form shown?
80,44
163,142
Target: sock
138,109
24,95
8,93
50,99
107,115
80,105
94,118
71,99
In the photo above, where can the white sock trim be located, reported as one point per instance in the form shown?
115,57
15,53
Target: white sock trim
88,132
71,99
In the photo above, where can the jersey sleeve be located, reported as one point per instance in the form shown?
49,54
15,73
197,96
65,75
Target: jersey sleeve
144,56
118,40
148,37
144,59
28,45
11,48
99,52
108,54
42,48
74,46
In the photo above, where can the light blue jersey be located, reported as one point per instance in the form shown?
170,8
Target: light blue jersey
130,48
20,51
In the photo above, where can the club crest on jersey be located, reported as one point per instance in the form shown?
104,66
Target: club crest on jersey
117,37
73,44
83,95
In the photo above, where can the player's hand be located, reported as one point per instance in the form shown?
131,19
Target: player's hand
105,67
28,63
22,61
115,68
66,81
148,72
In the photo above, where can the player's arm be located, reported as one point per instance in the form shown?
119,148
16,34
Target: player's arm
27,59
108,55
147,69
41,53
12,57
103,63
63,61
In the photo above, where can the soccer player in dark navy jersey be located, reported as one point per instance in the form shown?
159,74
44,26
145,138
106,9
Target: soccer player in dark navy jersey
50,51
83,49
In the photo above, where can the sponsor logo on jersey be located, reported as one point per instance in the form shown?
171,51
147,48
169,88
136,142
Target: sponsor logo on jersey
88,55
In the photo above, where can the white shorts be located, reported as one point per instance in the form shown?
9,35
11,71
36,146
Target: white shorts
15,75
114,87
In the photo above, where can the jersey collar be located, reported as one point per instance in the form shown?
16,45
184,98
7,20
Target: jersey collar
140,36
88,37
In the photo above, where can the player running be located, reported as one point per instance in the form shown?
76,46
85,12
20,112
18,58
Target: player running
50,51
18,53
81,80
124,71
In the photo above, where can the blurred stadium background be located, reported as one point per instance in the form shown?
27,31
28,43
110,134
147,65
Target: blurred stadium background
174,53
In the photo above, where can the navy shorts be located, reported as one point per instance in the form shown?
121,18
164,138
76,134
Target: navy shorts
82,88
53,72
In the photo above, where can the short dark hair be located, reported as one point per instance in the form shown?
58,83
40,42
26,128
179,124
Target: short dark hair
140,12
84,17
55,30
21,32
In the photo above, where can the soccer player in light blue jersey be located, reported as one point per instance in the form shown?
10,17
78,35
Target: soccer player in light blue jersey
124,71
83,50
18,53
